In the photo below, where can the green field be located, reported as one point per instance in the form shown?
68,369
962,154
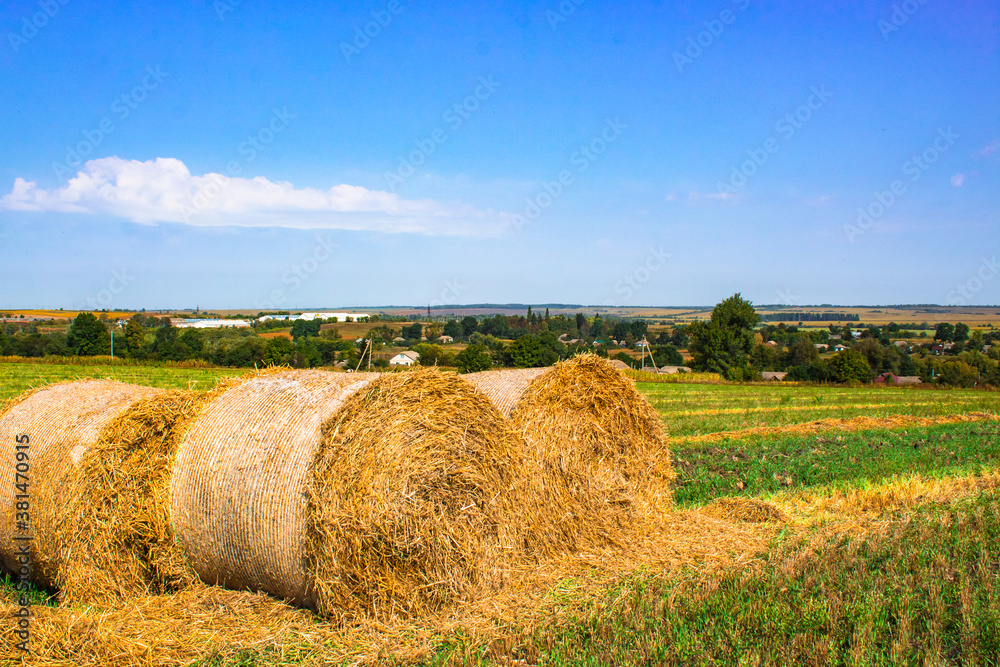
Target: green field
16,377
696,409
890,558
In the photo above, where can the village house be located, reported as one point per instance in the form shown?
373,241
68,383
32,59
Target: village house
407,358
772,376
890,378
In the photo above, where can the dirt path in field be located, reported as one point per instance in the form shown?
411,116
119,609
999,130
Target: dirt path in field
835,424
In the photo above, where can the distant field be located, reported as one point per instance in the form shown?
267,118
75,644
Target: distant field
695,409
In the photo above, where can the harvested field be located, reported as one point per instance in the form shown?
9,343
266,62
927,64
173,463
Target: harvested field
821,485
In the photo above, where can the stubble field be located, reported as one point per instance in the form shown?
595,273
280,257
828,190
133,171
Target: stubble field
880,546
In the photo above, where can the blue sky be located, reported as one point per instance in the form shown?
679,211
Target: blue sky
252,154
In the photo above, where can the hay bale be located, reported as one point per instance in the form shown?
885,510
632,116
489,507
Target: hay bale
746,510
342,491
62,421
410,505
597,448
119,541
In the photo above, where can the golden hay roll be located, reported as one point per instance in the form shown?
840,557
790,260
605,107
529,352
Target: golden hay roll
119,541
342,491
61,422
597,446
411,501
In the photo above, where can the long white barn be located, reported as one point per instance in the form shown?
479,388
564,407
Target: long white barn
309,317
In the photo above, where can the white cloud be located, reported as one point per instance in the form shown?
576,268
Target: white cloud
957,180
164,190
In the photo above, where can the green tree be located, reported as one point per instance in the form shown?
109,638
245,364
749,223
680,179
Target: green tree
597,328
304,329
525,352
961,332
944,331
454,329
432,354
135,338
165,344
724,343
278,351
473,359
667,355
850,365
470,325
193,343
412,332
88,336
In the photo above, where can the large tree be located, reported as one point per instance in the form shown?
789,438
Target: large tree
851,365
473,359
88,336
723,344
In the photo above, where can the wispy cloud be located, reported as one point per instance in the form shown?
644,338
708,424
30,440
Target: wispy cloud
818,202
989,149
164,190
696,196
957,180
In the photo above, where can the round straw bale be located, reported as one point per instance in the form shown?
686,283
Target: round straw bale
119,541
597,446
238,492
61,422
410,506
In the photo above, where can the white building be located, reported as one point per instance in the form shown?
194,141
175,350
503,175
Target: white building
210,324
407,358
309,317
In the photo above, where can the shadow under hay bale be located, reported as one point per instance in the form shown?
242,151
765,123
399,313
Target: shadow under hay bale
597,448
746,510
62,421
343,492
